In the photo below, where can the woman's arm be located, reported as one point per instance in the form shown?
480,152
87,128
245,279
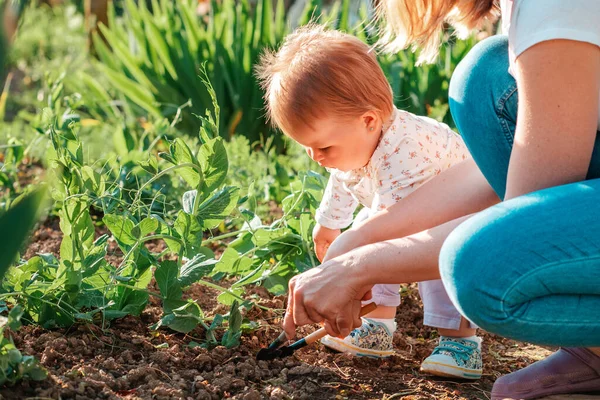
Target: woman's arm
558,83
458,191
326,293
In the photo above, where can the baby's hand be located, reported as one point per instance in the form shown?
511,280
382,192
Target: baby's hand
323,237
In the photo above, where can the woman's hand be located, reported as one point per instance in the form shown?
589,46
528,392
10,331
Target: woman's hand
331,293
323,237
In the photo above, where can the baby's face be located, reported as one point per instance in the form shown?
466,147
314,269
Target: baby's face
344,144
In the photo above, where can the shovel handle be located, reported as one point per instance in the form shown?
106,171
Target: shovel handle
319,334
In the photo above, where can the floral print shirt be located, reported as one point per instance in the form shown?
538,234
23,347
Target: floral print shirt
411,151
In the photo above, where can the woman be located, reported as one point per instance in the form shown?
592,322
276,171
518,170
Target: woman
527,268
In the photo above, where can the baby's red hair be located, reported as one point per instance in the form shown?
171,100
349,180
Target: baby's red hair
318,73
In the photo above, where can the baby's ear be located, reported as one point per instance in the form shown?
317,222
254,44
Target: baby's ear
370,119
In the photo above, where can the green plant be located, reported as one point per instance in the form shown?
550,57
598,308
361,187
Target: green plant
80,284
236,325
153,57
50,45
13,365
16,223
49,39
263,174
270,255
231,338
11,156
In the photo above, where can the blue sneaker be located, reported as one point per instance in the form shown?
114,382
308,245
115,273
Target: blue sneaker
455,358
371,339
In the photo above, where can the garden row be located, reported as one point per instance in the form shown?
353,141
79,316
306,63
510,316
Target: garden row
127,151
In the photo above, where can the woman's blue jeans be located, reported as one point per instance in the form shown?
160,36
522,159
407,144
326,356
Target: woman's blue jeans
527,268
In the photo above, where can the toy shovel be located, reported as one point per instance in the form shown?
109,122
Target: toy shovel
274,351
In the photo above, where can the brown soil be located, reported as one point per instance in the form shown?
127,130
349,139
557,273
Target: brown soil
130,361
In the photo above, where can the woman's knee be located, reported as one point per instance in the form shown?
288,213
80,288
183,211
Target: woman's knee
510,266
470,265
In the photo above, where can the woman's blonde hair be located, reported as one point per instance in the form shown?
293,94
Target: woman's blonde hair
319,72
419,23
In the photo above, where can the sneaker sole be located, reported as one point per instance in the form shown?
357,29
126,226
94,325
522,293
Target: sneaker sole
341,346
449,371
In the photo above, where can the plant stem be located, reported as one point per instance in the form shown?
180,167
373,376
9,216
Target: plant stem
164,172
222,289
221,237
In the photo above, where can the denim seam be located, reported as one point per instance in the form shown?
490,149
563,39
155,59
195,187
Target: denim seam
512,287
499,113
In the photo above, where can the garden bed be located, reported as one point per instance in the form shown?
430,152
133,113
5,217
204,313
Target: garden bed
128,360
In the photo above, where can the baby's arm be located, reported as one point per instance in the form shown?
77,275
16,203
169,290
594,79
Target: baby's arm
335,212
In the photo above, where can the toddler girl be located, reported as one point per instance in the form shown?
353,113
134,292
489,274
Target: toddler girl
326,90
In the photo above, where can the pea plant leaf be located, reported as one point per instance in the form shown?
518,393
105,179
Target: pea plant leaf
218,207
182,319
231,338
195,269
181,154
166,275
213,159
122,229
15,225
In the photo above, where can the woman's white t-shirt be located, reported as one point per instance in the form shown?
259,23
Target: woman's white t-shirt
528,22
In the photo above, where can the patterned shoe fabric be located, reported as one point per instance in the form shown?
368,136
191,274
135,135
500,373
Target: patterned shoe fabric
371,339
455,358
